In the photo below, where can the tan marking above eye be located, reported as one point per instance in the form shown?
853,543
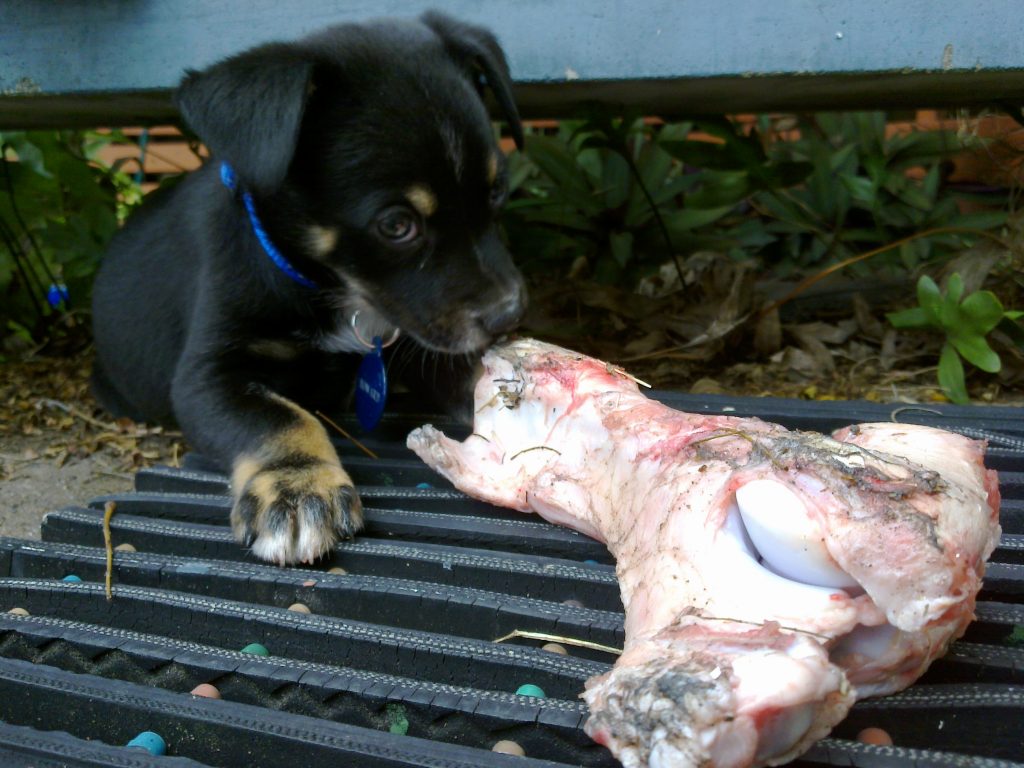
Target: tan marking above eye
422,199
322,239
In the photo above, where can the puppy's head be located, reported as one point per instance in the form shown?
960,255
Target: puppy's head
369,150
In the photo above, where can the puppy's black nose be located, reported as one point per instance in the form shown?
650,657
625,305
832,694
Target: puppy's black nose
504,317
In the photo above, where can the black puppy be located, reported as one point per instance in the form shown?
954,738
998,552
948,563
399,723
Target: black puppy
352,194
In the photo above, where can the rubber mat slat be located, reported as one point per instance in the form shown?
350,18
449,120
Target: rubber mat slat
517,574
322,639
524,533
470,716
404,603
222,732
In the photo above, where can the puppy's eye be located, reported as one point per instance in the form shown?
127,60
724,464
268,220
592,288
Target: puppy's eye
399,225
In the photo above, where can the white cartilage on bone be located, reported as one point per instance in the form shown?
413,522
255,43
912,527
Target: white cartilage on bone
790,543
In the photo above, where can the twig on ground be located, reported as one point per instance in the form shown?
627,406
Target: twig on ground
108,512
558,639
346,435
70,409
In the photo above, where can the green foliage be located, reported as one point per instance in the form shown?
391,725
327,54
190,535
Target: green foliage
629,195
618,193
864,193
58,209
965,321
735,165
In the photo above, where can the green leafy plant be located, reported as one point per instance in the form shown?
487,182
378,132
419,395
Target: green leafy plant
734,164
866,189
630,194
964,321
622,192
58,208
578,198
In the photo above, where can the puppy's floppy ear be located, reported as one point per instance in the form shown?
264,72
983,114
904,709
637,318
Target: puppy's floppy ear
248,110
478,51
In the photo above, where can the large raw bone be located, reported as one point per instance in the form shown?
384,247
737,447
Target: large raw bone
891,525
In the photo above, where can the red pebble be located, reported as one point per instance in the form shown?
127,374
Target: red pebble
876,736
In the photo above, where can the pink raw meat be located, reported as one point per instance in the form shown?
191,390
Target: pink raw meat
770,577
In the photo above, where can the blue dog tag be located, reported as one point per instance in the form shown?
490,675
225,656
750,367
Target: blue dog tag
371,387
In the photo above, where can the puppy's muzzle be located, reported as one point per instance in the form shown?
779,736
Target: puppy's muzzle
505,316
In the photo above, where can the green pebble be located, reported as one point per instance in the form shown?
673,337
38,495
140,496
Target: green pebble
398,723
531,690
256,649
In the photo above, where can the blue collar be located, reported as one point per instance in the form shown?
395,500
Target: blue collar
227,175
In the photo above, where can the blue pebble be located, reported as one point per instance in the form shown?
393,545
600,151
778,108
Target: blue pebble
71,577
591,562
149,741
424,485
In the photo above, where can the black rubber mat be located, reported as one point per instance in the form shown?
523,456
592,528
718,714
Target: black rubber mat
396,663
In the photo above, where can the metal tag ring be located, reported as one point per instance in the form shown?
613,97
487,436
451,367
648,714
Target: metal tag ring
370,345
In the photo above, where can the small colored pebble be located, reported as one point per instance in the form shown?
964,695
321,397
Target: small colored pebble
309,583
19,612
299,608
338,569
555,648
206,690
126,547
72,578
572,603
424,486
591,562
256,649
876,736
507,747
149,741
531,690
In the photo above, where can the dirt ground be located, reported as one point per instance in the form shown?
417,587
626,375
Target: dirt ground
57,448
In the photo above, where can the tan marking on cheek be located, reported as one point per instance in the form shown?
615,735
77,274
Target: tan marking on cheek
492,168
422,199
322,240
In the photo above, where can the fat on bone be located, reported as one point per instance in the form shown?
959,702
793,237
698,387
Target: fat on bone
769,577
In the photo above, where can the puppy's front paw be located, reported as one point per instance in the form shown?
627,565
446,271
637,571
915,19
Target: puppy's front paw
294,509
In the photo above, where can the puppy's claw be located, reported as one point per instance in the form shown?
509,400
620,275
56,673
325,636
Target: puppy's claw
351,519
